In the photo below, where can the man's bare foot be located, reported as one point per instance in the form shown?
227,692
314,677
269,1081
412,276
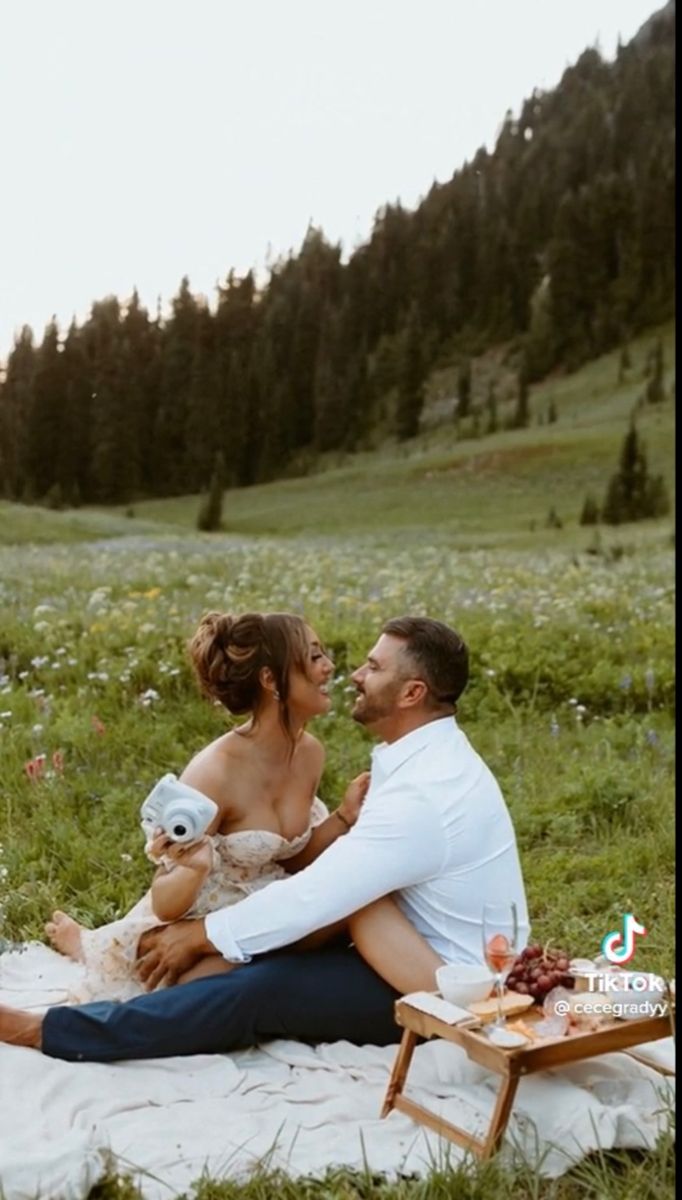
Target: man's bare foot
65,935
19,1028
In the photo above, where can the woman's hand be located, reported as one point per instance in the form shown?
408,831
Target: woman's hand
195,856
180,876
354,798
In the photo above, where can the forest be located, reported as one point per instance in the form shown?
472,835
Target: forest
558,244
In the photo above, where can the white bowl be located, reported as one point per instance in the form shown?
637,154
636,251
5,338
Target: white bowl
464,983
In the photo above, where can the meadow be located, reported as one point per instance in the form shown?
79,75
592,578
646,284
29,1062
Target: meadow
570,701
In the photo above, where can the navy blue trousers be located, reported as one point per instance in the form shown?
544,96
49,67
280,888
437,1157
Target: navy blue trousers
320,996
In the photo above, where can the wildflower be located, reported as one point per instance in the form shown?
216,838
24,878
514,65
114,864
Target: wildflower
649,680
126,858
149,697
58,761
554,727
625,683
651,737
35,767
37,730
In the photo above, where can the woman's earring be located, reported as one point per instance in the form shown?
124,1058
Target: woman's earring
276,695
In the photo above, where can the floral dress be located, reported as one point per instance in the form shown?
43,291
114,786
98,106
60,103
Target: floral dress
243,862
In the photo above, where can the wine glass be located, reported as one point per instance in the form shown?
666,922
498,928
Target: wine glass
500,930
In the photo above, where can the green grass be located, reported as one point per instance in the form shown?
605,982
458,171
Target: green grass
29,523
487,490
614,1176
571,698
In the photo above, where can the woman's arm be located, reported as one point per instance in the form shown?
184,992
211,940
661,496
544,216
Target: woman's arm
340,821
174,890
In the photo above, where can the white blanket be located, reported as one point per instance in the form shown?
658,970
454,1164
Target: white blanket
286,1105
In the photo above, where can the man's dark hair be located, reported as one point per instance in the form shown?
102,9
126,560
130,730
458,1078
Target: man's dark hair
438,653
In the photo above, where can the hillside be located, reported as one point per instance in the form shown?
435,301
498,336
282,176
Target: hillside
493,490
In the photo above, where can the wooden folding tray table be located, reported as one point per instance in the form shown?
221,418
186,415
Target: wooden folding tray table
510,1064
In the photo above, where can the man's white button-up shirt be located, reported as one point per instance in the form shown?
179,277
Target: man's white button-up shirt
434,829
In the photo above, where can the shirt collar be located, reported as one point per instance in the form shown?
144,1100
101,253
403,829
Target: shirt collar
387,757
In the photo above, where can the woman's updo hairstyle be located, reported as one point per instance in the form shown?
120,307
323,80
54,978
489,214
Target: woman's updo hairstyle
228,654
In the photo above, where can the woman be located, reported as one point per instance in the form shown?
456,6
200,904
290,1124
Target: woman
264,777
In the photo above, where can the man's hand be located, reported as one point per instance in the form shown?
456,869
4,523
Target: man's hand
164,954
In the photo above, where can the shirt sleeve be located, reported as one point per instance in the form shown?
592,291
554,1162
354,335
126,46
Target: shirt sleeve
397,841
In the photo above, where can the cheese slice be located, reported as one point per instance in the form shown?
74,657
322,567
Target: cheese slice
512,1003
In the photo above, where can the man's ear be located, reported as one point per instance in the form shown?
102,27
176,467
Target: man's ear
412,693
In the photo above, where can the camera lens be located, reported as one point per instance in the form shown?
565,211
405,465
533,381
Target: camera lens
179,830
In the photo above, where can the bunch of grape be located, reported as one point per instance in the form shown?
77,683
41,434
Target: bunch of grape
537,970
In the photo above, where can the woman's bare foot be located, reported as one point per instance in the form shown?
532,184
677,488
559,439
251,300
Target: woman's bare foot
19,1028
65,935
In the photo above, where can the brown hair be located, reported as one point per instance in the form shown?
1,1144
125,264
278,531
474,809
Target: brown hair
228,653
438,653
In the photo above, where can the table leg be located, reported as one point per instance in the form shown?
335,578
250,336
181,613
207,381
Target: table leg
500,1117
400,1069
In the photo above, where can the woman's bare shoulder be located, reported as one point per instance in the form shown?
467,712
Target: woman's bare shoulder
210,771
312,750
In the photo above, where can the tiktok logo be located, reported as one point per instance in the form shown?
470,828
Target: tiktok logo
619,947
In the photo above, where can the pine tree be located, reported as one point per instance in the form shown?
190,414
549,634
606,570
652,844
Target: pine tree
521,417
44,427
210,514
16,398
464,390
624,363
590,511
411,385
655,390
632,494
492,409
177,371
54,498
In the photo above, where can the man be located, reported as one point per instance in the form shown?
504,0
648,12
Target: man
434,829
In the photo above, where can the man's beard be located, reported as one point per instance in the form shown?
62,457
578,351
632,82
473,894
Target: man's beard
368,711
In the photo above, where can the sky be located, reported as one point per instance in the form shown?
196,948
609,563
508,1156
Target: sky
144,140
